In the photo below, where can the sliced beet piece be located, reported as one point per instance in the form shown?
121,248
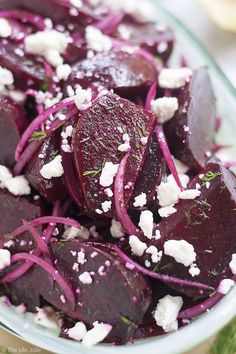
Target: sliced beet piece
127,74
26,70
51,189
197,112
96,142
12,124
208,224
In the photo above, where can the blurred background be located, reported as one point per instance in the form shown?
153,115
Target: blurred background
213,22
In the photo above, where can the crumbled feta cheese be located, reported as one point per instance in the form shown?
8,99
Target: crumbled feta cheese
17,95
174,78
96,40
9,244
194,270
78,331
83,98
162,47
73,232
85,278
5,174
181,250
155,254
167,194
81,257
164,108
108,192
189,194
140,200
42,319
124,31
146,223
5,28
63,71
6,78
5,258
96,334
165,212
116,229
184,179
108,173
124,147
106,206
76,3
49,43
167,311
232,264
144,140
225,286
137,247
53,169
180,166
18,186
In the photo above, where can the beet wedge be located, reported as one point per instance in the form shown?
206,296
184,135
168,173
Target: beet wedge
190,133
204,222
98,135
12,124
127,74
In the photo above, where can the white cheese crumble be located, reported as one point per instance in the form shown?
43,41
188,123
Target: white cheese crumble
164,108
155,254
172,78
53,169
5,258
76,3
5,174
108,173
194,270
144,140
6,78
18,186
85,278
181,250
167,311
137,247
140,200
168,194
96,40
49,43
83,98
232,264
225,286
44,320
189,194
63,71
184,179
78,331
108,192
5,28
165,212
180,166
146,223
116,229
74,232
96,334
106,206
124,147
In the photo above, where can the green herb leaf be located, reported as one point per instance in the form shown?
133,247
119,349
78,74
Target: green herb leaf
210,176
40,135
93,173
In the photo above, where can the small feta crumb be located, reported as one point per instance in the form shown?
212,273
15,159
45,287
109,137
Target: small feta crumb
108,173
184,179
140,200
124,147
180,166
164,108
181,250
73,232
165,212
146,223
96,40
155,254
5,174
63,71
194,270
207,185
85,278
162,47
42,319
83,98
78,331
137,247
108,192
5,258
174,78
116,229
81,257
147,263
97,334
5,28
189,194
9,244
167,194
167,311
124,32
76,3
6,78
144,140
53,169
232,264
106,206
18,186
225,286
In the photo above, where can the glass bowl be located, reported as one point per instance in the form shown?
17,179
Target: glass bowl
207,324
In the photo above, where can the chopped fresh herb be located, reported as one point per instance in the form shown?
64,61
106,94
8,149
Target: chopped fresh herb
40,135
92,173
210,176
197,298
157,267
126,321
189,220
54,154
45,84
168,266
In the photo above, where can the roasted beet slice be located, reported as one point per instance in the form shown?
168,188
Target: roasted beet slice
127,74
208,224
190,133
13,210
12,124
26,70
99,133
51,189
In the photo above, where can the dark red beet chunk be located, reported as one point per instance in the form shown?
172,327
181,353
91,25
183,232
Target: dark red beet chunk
127,74
51,189
197,112
96,142
26,70
208,223
12,124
